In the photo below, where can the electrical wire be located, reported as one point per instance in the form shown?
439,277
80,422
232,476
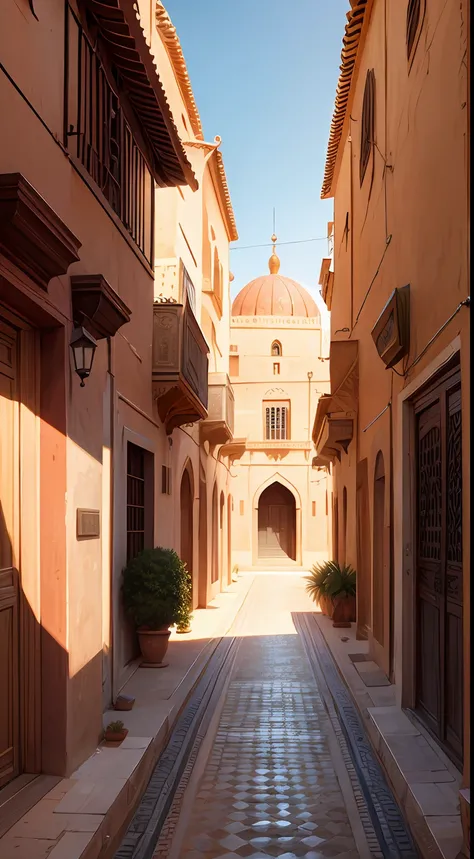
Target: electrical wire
270,244
387,242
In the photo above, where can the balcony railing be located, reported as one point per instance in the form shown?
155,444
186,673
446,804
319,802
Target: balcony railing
218,428
179,365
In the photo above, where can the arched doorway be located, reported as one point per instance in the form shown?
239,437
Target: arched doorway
215,537
344,526
203,560
222,552
378,568
276,523
229,539
186,502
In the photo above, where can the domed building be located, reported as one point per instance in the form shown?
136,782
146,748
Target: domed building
280,503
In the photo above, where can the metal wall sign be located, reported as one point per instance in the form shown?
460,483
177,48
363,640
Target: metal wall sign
391,332
88,524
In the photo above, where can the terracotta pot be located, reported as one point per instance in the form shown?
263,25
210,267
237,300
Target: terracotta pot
344,611
115,736
324,605
153,644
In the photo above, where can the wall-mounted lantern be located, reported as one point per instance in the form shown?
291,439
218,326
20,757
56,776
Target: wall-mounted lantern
83,348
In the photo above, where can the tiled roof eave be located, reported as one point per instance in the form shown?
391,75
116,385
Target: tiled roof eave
172,44
350,46
121,30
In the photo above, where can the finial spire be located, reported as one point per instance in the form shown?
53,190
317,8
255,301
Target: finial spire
274,262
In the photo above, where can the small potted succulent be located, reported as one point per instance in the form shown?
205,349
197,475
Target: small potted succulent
115,732
341,590
157,593
317,587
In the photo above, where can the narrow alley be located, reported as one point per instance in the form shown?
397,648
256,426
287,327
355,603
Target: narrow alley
271,773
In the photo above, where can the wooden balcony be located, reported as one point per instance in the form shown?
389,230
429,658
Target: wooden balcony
179,365
218,428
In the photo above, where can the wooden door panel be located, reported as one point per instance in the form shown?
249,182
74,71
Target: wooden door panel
9,710
439,572
429,676
9,585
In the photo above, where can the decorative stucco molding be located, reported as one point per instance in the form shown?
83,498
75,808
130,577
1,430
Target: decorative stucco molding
275,322
350,46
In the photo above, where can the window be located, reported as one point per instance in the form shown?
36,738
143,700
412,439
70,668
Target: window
276,421
276,348
276,369
234,365
367,123
217,280
415,10
233,348
188,290
99,137
313,508
242,508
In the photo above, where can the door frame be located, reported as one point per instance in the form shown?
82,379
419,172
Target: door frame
405,522
277,478
25,542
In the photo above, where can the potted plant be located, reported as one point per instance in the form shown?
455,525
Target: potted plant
115,732
317,587
341,590
157,593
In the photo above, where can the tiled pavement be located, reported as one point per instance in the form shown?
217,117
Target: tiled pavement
269,787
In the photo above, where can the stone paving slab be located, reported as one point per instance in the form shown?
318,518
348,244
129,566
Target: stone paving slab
269,787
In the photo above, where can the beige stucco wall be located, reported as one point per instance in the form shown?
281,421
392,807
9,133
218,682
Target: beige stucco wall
410,218
301,340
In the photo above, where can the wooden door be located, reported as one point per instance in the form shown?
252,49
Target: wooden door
9,579
276,527
439,592
363,550
187,522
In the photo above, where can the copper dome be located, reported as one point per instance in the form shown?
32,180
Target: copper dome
274,295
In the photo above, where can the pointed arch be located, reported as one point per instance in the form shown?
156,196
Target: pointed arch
277,349
187,519
293,550
277,478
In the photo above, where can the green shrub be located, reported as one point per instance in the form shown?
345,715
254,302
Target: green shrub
115,727
317,581
341,580
330,579
157,589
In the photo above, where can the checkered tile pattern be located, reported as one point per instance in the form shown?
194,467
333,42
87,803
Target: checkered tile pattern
269,788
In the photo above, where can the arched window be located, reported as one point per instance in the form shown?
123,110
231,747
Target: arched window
276,348
415,15
367,123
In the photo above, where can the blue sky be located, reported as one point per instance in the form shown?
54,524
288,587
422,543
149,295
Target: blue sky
264,75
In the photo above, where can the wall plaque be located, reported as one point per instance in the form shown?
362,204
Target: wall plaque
88,524
391,332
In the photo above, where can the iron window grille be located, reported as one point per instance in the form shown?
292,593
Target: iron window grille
367,124
135,500
277,422
98,135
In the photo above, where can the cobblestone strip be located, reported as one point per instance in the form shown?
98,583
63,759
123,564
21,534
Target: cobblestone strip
376,802
144,829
